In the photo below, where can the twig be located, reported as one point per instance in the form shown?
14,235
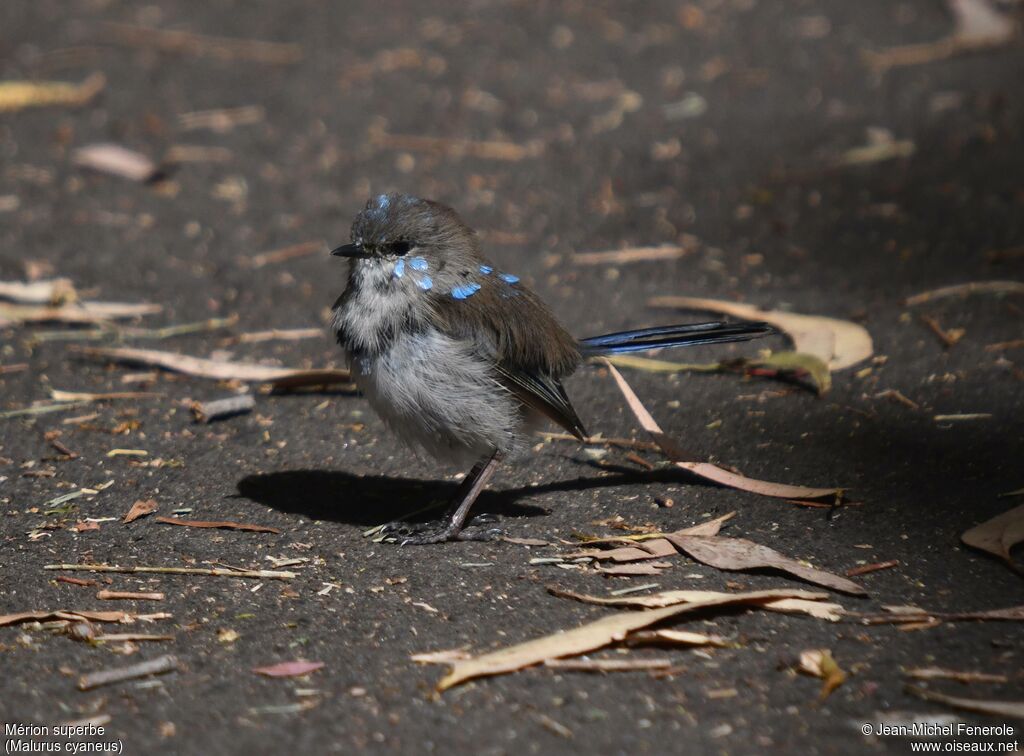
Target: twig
129,595
999,346
157,666
948,338
213,572
188,43
899,397
631,255
286,253
866,568
207,412
622,443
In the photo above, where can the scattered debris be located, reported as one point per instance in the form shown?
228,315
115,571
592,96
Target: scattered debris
456,148
966,289
593,636
819,663
157,666
117,161
978,26
1012,709
222,120
840,344
937,673
53,292
71,615
864,569
999,535
963,416
217,524
285,254
631,255
211,571
203,46
949,337
140,508
127,453
282,334
221,370
289,669
881,146
913,614
18,95
220,409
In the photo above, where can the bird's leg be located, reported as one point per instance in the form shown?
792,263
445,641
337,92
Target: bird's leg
455,519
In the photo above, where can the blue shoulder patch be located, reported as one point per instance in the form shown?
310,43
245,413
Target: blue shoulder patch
465,291
418,263
486,270
508,278
425,283
399,268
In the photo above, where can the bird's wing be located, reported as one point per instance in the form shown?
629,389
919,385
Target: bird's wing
531,351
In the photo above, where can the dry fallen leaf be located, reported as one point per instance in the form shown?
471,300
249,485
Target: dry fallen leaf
217,524
740,554
819,663
85,527
140,508
221,370
706,469
937,673
289,669
1014,709
813,607
678,637
999,535
592,636
627,570
838,343
607,665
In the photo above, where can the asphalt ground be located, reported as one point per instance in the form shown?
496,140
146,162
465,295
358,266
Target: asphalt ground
717,125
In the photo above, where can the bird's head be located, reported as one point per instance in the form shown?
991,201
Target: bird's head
396,226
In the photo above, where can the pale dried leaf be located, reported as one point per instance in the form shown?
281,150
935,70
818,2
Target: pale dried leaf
999,535
592,636
221,370
740,554
838,343
815,607
678,637
140,508
54,292
289,669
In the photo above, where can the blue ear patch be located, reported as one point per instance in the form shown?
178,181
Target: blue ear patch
399,270
418,263
508,278
425,283
486,270
465,291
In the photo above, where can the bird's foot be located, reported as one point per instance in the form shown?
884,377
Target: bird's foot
440,531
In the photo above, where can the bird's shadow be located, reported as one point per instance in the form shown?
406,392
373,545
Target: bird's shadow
373,499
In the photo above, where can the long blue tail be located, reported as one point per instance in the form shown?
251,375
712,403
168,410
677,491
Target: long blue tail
665,337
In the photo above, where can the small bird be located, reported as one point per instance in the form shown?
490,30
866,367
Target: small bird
457,356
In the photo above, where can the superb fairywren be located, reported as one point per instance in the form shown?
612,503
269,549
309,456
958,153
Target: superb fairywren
457,356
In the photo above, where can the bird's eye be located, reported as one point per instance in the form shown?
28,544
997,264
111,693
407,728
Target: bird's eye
400,247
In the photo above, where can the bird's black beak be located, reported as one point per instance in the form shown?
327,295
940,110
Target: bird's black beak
350,250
